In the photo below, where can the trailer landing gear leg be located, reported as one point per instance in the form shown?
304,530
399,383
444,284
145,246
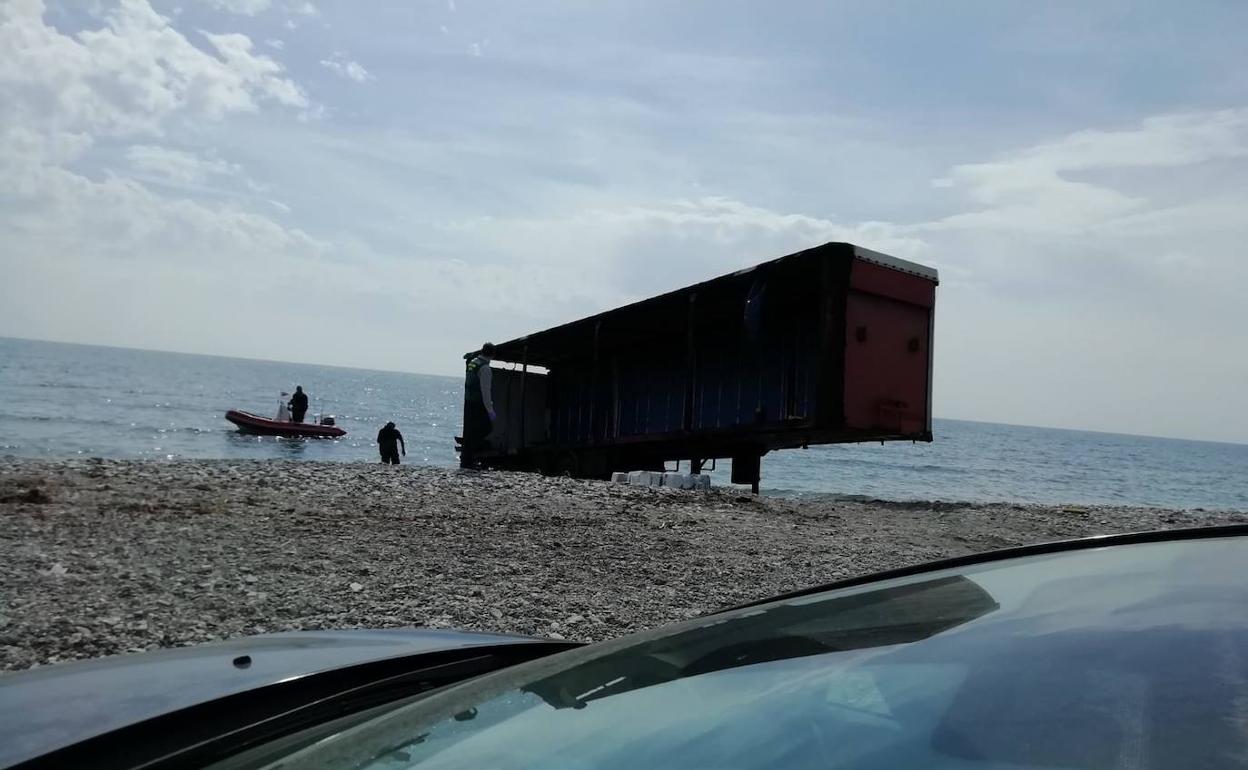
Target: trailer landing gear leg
747,469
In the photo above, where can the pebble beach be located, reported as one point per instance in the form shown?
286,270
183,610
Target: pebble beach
101,557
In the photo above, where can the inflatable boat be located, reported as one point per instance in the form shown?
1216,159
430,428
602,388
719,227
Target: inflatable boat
264,426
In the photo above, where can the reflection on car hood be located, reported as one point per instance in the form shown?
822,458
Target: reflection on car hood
49,707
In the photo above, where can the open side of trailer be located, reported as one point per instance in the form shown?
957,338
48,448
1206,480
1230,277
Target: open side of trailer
828,345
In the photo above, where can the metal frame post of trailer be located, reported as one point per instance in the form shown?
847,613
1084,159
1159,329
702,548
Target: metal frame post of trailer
828,345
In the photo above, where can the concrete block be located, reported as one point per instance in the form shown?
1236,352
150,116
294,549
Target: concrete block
677,480
619,478
656,478
700,481
639,478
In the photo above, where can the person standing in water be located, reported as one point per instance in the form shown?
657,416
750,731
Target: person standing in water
389,439
479,414
298,404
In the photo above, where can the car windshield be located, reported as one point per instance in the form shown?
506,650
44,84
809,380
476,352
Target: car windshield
1111,657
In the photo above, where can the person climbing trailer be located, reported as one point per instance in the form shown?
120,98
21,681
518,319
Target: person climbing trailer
479,414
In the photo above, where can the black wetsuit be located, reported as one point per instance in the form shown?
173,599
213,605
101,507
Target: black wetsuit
298,406
388,441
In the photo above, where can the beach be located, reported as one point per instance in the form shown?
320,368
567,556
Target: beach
110,556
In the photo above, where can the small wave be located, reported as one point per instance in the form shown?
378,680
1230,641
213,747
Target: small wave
66,418
858,462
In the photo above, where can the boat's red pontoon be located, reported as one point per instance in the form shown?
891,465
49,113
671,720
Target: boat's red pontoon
263,426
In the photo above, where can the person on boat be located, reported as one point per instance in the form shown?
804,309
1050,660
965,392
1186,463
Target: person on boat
283,410
389,439
479,414
298,404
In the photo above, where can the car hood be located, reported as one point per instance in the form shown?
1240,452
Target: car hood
49,707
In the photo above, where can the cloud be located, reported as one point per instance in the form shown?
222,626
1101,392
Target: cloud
275,44
67,101
478,49
347,68
127,76
626,251
1181,139
1107,264
257,74
136,265
720,218
1035,189
124,255
68,213
178,166
1125,199
124,251
297,12
241,7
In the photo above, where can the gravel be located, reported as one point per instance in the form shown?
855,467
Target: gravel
99,557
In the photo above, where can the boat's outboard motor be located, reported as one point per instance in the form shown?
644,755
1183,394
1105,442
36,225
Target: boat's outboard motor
327,421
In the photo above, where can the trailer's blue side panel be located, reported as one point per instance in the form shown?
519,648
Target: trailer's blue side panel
768,378
709,395
771,379
651,395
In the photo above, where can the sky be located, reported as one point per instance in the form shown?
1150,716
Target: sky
387,184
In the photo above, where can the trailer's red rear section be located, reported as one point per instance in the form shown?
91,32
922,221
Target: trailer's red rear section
888,350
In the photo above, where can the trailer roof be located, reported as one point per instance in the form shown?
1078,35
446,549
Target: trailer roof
668,311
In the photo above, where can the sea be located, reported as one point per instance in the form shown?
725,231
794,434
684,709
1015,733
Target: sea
63,401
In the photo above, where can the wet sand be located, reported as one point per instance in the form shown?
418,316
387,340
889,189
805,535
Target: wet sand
102,557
